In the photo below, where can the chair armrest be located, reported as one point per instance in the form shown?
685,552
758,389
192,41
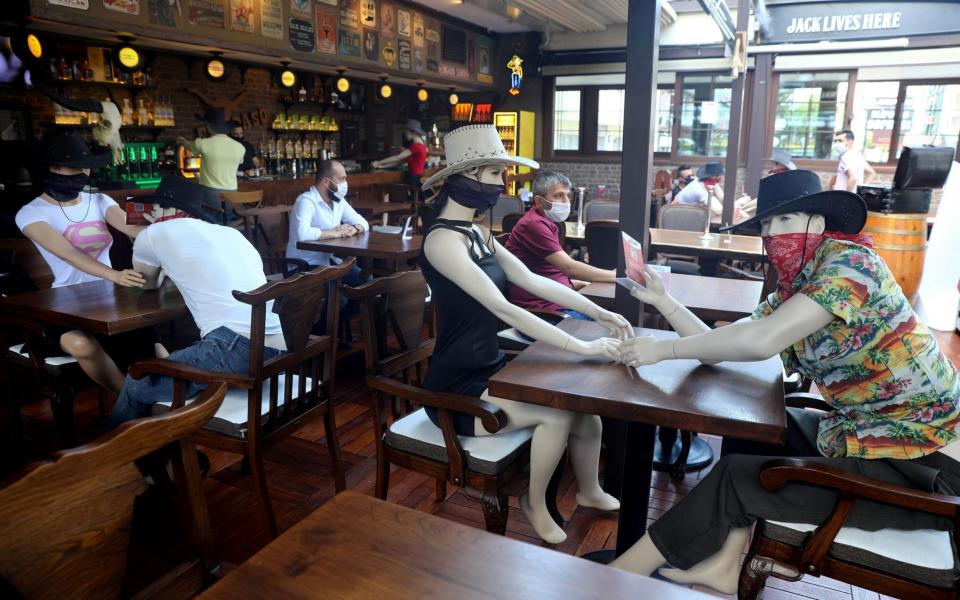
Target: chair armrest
169,368
735,273
776,473
806,400
491,415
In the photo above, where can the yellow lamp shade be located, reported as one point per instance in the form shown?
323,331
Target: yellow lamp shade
343,85
34,47
288,78
129,57
423,95
386,90
215,68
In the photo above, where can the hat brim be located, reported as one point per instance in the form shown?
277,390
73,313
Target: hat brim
419,132
96,159
198,211
845,212
475,162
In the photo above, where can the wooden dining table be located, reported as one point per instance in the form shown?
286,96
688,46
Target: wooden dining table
719,246
710,298
99,307
742,400
359,547
369,246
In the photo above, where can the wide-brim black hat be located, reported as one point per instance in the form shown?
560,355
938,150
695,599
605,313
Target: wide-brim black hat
179,192
71,151
710,170
800,191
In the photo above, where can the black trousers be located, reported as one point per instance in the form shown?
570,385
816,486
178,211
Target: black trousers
731,496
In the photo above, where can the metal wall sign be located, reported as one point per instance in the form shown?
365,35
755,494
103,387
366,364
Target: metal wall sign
820,20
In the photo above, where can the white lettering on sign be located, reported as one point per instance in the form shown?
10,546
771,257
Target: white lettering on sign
826,24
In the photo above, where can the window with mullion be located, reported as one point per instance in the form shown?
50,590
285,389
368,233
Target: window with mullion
704,115
567,119
810,108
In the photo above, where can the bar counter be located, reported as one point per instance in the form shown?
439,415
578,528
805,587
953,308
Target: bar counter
284,190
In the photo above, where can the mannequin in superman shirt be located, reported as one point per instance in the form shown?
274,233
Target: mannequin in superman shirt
69,228
839,318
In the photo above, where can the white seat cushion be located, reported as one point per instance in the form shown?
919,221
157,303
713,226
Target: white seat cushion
489,454
53,361
926,548
231,417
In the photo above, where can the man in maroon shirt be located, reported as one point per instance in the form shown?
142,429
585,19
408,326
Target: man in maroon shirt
535,240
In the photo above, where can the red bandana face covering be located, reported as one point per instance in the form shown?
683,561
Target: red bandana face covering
789,252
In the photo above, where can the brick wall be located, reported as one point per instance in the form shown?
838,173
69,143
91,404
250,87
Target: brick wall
592,174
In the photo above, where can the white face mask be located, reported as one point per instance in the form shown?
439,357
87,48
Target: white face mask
558,212
839,148
341,192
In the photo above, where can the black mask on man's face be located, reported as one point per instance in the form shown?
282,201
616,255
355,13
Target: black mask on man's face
236,136
406,142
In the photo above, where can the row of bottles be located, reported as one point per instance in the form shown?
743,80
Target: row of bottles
139,161
295,157
304,122
146,112
97,66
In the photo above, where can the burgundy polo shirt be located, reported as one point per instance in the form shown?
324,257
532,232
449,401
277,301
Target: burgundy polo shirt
532,240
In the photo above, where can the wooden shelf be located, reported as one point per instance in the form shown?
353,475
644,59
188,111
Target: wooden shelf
113,84
323,106
304,131
141,128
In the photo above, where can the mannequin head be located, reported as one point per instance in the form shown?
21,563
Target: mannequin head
488,174
793,222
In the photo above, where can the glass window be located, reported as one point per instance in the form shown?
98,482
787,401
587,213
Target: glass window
664,139
566,120
810,108
874,111
931,115
704,115
610,120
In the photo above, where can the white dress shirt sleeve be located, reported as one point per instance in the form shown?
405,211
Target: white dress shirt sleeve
307,218
352,217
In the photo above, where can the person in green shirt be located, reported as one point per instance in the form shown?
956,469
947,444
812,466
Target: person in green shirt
221,158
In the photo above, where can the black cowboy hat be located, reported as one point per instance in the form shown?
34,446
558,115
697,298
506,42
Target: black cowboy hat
710,169
71,151
800,191
414,126
178,192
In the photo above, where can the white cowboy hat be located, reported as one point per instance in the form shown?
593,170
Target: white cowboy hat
474,146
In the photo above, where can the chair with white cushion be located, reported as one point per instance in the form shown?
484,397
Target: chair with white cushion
280,395
392,319
904,564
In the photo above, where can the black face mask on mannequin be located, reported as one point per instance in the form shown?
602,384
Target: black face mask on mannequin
406,142
471,193
64,188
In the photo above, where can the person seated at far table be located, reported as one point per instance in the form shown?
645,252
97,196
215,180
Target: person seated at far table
207,262
322,213
69,228
535,240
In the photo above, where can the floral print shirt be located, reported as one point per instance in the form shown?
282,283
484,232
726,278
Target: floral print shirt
894,393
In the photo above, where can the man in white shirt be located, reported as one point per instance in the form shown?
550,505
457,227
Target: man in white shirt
853,169
207,262
321,213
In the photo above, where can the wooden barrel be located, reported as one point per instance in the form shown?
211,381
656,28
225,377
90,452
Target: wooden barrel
901,240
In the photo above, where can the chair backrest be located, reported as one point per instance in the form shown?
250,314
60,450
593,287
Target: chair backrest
242,199
686,217
603,242
506,205
510,221
602,210
22,252
66,522
661,181
392,308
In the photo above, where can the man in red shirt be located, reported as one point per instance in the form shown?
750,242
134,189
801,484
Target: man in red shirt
414,153
535,240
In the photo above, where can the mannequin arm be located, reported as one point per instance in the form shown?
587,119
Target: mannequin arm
448,253
655,294
118,220
745,340
391,161
55,243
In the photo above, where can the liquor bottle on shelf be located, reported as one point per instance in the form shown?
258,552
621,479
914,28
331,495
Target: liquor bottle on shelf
146,168
133,163
141,112
154,162
86,72
126,113
63,69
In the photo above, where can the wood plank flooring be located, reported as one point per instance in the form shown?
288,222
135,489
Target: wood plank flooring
300,480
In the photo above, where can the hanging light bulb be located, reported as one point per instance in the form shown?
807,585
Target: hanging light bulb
422,94
385,90
343,84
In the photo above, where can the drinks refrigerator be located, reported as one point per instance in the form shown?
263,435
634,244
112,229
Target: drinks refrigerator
517,131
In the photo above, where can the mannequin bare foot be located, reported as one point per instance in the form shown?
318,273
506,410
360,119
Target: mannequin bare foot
160,351
721,571
600,500
542,522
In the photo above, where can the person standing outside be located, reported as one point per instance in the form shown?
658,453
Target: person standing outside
853,169
535,240
414,153
222,157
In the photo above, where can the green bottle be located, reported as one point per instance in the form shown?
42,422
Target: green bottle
144,163
154,163
133,165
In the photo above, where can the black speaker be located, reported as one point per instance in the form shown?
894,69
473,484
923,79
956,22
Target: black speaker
924,167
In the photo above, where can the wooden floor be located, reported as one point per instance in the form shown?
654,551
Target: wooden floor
300,480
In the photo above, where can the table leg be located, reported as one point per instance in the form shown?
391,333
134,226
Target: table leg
669,449
635,493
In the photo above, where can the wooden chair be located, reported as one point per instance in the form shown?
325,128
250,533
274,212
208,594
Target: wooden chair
510,221
66,522
488,463
237,201
606,210
603,243
683,217
279,395
904,564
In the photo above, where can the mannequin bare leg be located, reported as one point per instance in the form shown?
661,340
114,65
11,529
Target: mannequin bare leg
642,558
584,454
92,359
721,571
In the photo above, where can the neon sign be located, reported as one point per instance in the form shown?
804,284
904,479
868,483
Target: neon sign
516,74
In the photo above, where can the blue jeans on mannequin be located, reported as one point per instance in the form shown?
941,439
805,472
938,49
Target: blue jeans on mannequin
222,350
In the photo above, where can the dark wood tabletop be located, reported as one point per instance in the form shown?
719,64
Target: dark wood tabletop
740,399
373,244
722,245
710,298
378,207
99,307
355,546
